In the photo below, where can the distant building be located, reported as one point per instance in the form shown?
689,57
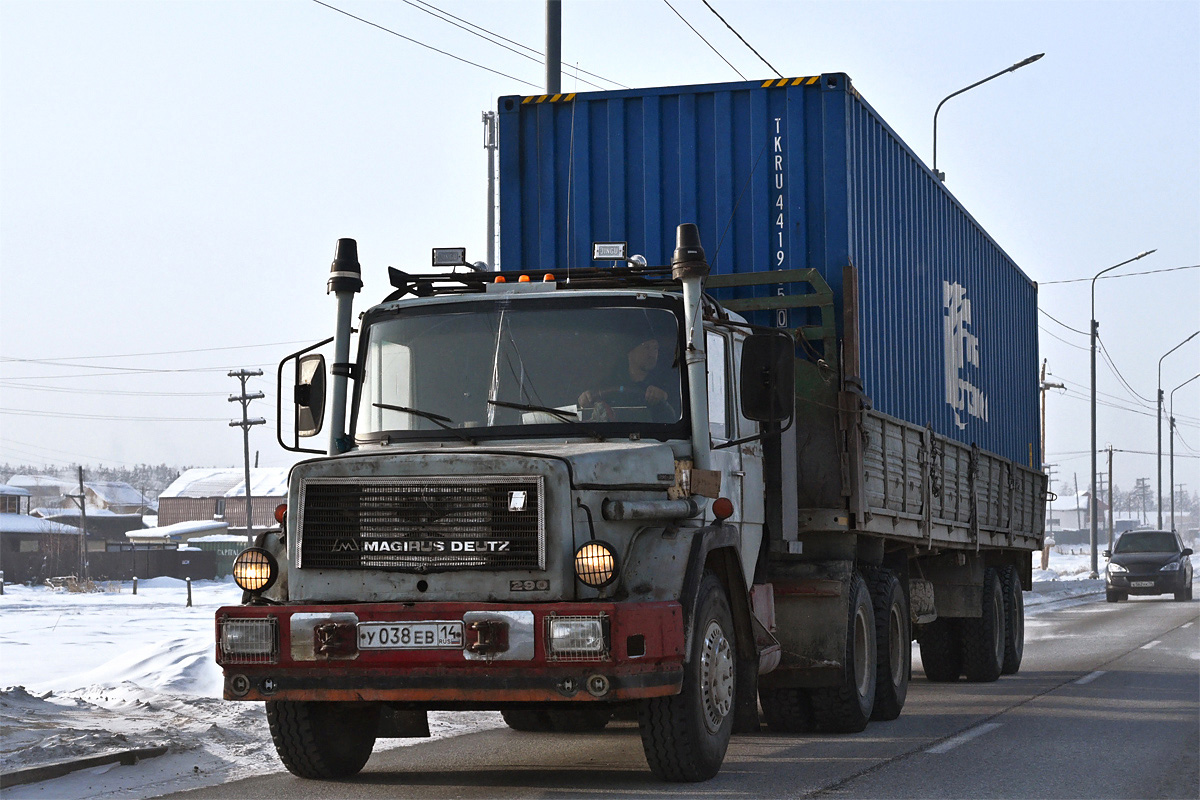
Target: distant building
219,494
32,548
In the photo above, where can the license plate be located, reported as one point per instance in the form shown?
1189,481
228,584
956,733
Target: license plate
424,635
1141,584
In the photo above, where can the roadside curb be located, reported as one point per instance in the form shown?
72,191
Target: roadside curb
56,769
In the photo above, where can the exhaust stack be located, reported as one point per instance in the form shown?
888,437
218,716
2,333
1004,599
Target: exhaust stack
689,267
345,280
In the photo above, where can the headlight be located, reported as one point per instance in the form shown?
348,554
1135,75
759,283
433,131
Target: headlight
1172,567
575,636
255,569
1113,569
245,637
596,564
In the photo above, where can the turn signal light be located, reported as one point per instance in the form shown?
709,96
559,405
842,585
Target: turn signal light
281,513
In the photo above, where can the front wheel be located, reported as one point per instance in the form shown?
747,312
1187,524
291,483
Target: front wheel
323,741
685,736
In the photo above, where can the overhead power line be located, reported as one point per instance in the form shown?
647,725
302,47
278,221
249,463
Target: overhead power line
159,352
1123,275
426,46
710,47
30,412
1065,325
1117,372
33,387
735,33
446,16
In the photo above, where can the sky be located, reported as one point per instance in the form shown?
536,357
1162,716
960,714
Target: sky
174,176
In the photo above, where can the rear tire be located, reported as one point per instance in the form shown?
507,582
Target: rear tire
941,654
787,709
685,736
1014,621
323,741
893,644
847,708
983,636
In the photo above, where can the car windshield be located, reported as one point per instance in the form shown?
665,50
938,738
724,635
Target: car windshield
1147,542
478,367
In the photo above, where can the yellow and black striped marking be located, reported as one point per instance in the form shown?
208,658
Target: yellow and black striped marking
548,98
790,82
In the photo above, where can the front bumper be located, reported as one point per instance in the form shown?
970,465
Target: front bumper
1153,583
642,656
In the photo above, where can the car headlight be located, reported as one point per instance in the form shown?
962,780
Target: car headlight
1172,567
1114,569
596,564
255,570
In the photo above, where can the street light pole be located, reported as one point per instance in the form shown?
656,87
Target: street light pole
941,176
1160,410
1172,435
1095,326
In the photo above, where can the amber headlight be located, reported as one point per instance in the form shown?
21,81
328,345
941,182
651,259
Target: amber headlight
596,564
255,569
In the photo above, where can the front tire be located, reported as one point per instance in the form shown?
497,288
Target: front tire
847,708
1014,621
1113,596
983,636
685,736
323,741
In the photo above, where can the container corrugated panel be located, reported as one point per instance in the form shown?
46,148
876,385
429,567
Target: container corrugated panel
789,174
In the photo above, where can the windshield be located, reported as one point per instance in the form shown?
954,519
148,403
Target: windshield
1147,542
500,367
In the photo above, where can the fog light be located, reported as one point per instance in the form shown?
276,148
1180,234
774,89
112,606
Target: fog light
255,569
596,564
248,637
575,636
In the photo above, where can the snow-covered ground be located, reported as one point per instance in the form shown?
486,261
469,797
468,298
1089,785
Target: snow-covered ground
90,673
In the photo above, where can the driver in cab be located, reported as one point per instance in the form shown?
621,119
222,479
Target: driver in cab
631,383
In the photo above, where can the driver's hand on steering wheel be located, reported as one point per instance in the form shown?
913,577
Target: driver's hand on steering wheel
586,400
655,395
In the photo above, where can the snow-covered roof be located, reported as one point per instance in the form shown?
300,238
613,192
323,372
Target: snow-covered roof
219,537
23,523
181,529
228,482
13,491
115,492
37,481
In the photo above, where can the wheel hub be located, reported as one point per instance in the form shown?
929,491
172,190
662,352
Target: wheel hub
716,676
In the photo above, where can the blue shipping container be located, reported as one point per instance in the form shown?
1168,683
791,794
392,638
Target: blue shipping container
789,174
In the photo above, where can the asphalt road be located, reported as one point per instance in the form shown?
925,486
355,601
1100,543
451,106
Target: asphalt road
1107,704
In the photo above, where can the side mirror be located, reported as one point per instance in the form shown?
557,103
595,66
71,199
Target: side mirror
310,394
768,377
1107,554
1187,551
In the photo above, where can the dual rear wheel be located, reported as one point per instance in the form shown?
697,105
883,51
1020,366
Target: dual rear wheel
984,647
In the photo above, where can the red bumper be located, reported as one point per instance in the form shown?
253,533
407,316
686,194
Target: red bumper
642,657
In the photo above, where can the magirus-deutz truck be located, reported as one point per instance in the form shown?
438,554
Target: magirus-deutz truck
748,407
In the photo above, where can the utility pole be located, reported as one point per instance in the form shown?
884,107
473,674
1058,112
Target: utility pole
1110,498
553,47
81,500
1044,386
1079,511
1174,487
1048,541
245,423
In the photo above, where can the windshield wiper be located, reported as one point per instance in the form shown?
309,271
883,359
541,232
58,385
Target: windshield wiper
436,419
565,416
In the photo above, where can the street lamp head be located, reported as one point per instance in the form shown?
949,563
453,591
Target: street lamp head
1143,255
1026,62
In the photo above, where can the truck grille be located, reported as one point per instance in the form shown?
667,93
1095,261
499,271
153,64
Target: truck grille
422,524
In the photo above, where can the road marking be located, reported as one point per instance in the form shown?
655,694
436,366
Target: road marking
963,738
1149,645
1086,679
1188,625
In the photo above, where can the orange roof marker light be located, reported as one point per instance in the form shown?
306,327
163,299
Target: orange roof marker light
549,276
500,279
523,279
